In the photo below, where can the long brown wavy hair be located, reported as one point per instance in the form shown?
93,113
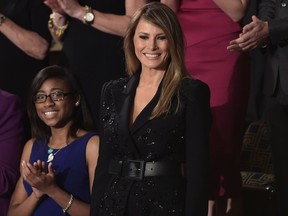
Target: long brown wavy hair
163,17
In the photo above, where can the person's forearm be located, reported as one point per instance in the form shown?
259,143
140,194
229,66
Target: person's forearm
28,41
25,208
108,22
72,205
111,23
235,9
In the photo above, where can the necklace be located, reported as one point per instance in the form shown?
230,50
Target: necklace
51,154
50,151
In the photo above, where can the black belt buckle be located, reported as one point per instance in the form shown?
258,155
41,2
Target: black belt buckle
134,169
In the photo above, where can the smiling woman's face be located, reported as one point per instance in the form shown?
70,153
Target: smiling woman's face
59,112
151,46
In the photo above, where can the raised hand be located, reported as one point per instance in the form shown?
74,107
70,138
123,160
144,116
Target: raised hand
254,34
38,176
54,5
71,8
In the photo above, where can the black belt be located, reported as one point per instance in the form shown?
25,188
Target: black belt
137,169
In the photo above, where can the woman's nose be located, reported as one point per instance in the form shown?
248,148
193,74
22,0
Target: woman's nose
153,44
49,101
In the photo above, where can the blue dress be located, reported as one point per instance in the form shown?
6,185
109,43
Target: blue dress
71,173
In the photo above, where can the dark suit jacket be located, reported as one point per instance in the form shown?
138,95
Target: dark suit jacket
11,143
178,138
276,12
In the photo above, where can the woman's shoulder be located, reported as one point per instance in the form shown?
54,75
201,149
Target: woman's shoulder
27,149
85,136
89,136
81,133
194,88
91,140
29,143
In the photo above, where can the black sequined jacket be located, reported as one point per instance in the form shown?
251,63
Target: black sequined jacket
177,138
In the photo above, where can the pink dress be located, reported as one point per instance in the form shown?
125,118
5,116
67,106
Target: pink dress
208,31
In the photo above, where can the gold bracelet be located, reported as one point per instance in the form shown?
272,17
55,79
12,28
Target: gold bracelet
55,28
68,205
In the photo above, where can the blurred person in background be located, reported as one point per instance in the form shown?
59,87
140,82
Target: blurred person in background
209,26
269,32
11,144
24,46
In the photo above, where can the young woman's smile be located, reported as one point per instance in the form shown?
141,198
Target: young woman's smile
54,103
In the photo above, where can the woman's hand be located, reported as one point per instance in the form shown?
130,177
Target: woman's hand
54,6
40,166
71,8
38,177
255,34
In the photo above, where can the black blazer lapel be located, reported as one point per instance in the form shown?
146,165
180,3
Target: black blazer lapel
144,116
123,100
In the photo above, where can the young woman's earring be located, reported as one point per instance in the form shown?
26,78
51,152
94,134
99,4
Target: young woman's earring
77,103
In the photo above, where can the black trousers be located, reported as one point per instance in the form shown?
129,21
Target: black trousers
278,123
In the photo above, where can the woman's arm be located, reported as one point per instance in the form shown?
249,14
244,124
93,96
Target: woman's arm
92,153
106,22
116,24
235,9
29,42
45,184
21,203
63,198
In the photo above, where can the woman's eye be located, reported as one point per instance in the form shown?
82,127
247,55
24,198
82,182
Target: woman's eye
162,37
144,37
57,95
40,97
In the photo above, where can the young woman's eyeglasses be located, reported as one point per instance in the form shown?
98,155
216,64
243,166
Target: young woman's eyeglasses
55,96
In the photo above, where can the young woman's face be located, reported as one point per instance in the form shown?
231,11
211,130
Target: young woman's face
151,46
55,103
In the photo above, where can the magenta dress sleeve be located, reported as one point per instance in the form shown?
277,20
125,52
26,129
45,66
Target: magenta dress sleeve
11,143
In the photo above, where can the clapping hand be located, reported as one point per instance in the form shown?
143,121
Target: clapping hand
68,7
38,176
254,34
54,6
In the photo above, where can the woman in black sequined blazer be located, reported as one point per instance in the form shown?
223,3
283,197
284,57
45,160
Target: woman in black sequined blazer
154,127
